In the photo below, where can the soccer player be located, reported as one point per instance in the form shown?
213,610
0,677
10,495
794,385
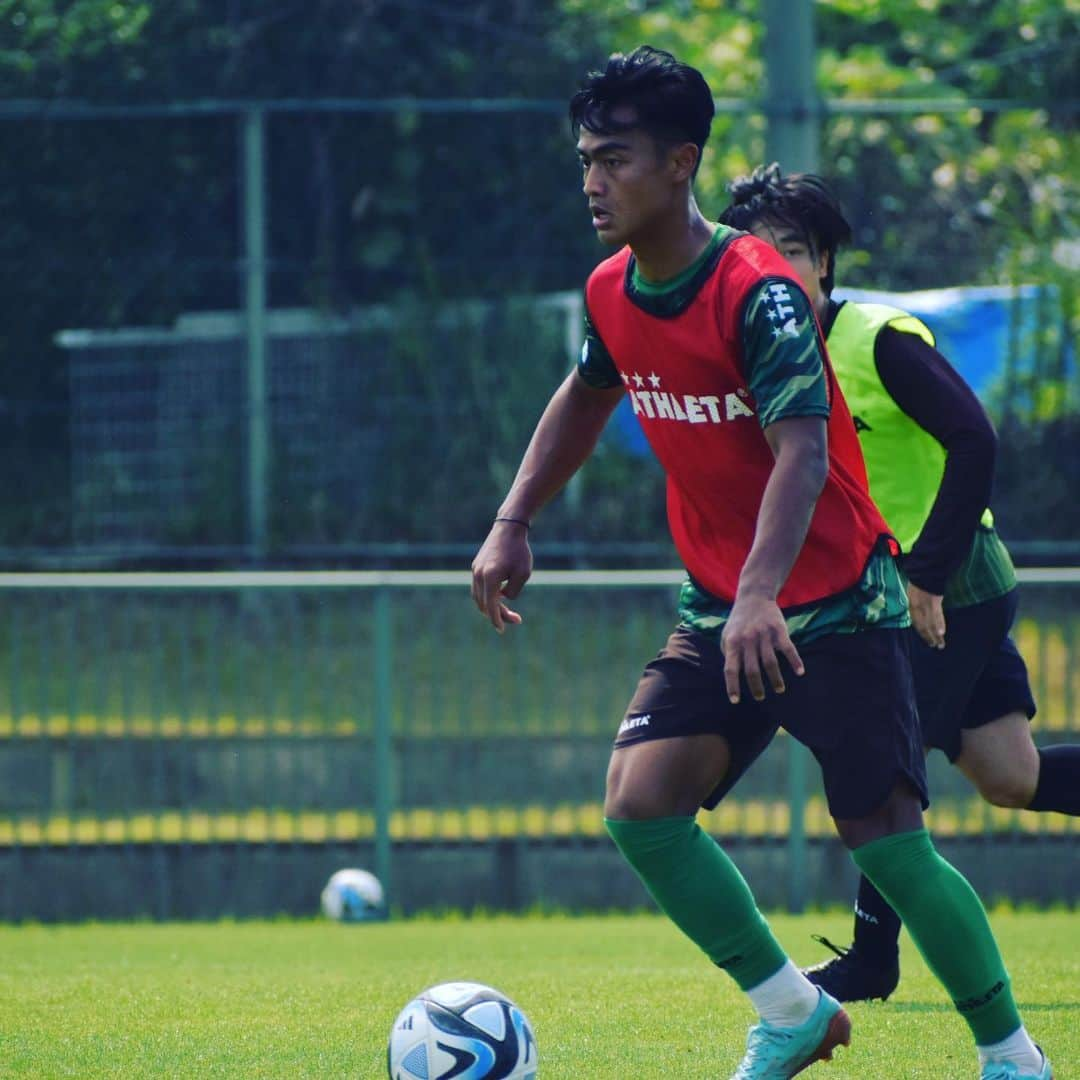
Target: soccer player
929,449
794,610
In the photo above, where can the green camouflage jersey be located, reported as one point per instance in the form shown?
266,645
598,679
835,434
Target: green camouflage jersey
879,599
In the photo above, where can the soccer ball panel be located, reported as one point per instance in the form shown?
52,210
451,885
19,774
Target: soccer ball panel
415,1062
489,1017
459,995
461,1031
408,1050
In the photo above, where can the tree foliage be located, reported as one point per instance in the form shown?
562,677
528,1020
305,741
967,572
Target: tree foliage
976,195
984,193
134,220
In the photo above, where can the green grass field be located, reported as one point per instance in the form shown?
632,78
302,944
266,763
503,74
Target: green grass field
611,998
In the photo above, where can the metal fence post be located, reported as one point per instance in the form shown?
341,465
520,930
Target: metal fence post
383,735
253,145
792,104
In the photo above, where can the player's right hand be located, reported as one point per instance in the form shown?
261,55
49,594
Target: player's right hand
753,641
499,572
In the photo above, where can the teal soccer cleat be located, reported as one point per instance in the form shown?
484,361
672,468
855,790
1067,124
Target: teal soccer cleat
774,1053
1006,1070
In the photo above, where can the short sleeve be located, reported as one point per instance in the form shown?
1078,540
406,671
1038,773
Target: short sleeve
595,364
783,353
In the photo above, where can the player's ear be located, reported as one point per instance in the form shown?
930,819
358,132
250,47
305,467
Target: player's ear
683,160
824,257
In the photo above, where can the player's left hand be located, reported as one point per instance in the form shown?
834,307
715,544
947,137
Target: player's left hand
753,641
927,616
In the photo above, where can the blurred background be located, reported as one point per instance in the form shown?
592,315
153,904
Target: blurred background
284,290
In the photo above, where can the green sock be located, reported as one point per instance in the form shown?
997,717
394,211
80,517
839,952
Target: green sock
948,923
701,890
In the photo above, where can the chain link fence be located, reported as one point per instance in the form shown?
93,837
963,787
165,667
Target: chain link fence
199,745
414,293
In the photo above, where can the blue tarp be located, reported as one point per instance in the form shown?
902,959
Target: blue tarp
972,324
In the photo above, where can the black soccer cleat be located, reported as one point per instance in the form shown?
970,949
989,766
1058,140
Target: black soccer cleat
849,977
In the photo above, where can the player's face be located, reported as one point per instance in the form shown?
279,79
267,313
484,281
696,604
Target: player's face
630,182
809,264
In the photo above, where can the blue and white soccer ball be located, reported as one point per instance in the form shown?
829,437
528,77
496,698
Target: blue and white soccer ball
462,1030
353,896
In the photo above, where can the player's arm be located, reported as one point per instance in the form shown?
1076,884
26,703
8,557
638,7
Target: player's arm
756,634
927,387
564,438
786,373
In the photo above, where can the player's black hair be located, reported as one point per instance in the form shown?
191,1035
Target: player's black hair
671,100
801,201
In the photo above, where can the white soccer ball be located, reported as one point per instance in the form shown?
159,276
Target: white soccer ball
464,1030
353,896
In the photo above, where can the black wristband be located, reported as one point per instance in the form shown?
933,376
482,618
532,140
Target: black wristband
515,521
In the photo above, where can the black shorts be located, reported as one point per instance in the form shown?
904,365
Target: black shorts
854,708
979,676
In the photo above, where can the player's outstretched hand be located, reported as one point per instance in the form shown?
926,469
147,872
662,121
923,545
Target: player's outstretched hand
753,641
499,572
927,616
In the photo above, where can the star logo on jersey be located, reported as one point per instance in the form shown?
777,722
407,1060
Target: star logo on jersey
780,311
657,404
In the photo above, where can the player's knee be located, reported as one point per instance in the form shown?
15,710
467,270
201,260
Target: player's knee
1001,761
1010,790
622,802
1005,782
619,798
899,812
663,777
626,800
